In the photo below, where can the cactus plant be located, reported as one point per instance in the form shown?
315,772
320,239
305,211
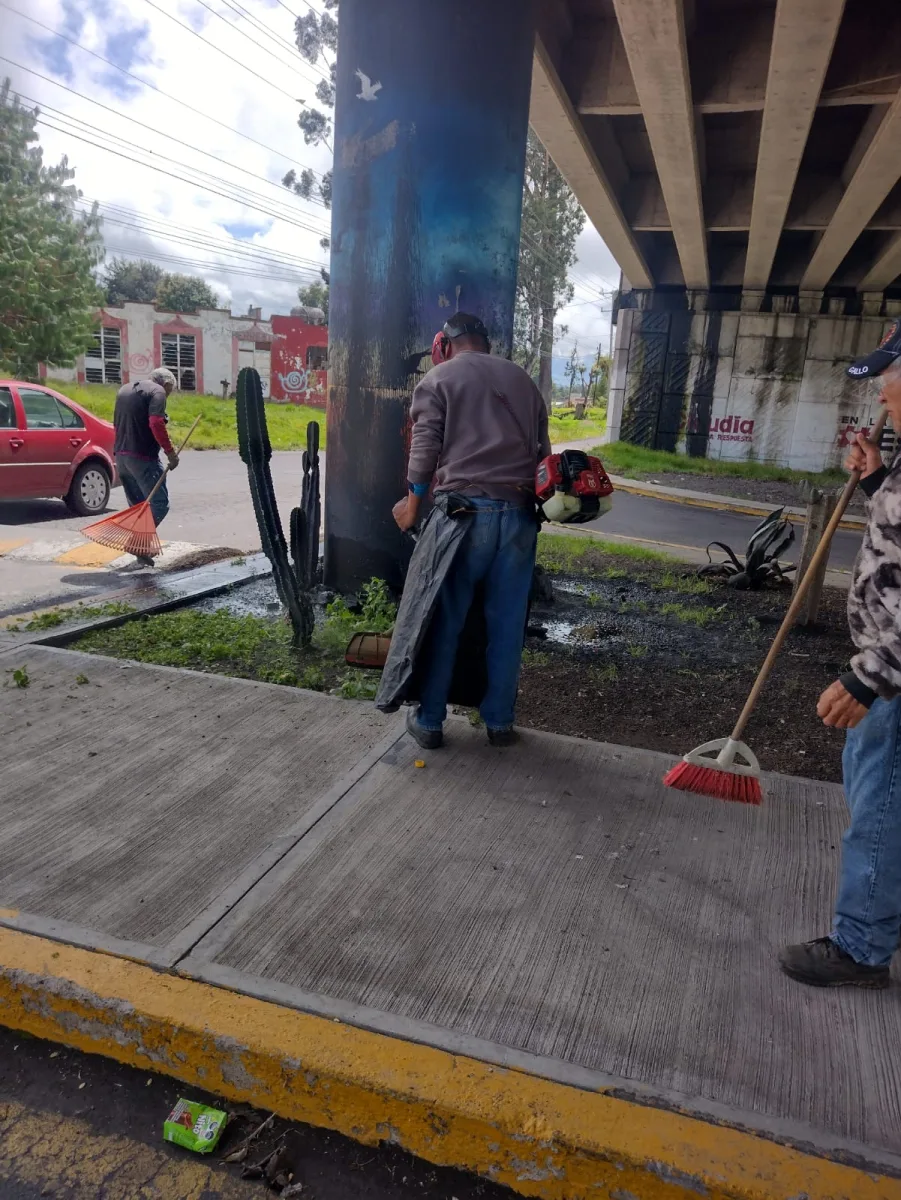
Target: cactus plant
256,451
306,520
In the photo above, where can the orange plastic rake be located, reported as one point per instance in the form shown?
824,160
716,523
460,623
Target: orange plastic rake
133,531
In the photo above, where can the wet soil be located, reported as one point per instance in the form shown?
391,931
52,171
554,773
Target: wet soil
631,656
762,491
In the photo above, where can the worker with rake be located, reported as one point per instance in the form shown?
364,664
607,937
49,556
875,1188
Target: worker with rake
140,420
867,702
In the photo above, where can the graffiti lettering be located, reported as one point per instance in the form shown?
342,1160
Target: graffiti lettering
732,429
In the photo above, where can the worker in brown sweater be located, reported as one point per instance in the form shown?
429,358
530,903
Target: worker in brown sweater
479,430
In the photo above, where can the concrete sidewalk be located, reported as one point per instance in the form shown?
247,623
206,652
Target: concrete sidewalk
537,964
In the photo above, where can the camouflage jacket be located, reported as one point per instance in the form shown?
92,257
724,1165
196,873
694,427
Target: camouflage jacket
874,601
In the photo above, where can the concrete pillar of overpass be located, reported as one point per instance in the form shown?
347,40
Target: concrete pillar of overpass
758,377
431,120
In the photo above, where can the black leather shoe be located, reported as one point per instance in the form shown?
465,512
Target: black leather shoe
823,963
503,737
429,739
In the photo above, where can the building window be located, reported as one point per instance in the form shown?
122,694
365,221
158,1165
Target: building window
103,361
179,355
317,358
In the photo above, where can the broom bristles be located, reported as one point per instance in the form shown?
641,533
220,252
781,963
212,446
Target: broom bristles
714,781
131,532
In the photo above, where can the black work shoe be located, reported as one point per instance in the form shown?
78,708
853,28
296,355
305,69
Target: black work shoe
429,739
503,737
144,560
823,963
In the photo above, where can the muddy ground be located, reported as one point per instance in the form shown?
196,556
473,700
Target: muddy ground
762,491
632,655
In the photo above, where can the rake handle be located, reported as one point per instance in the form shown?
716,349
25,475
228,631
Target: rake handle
162,479
794,608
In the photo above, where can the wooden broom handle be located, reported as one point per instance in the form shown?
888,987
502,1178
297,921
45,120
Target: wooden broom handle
159,483
794,608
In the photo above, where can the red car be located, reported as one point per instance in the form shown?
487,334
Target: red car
51,446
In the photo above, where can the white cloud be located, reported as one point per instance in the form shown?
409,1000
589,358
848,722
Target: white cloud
151,46
145,41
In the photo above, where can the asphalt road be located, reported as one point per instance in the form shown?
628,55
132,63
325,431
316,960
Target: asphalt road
210,505
79,1127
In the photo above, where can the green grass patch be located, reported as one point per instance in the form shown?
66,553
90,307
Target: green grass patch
217,431
637,462
78,612
535,658
563,426
562,552
689,615
247,646
687,585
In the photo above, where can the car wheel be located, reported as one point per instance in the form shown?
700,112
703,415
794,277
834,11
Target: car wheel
89,493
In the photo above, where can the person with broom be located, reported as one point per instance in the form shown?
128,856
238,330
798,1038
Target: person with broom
140,421
867,703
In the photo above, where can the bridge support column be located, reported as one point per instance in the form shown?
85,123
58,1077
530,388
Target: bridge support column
431,121
738,384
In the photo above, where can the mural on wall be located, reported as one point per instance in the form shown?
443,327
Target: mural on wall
299,366
140,362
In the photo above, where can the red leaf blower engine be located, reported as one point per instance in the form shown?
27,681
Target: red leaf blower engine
572,488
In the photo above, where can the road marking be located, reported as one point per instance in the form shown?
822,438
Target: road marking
89,554
8,547
64,1156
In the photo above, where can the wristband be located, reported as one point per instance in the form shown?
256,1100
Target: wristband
418,489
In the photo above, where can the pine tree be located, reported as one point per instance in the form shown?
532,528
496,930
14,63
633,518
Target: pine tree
48,293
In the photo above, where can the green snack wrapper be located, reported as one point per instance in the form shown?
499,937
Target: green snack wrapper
194,1126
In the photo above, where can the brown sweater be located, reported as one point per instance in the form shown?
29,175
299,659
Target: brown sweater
479,426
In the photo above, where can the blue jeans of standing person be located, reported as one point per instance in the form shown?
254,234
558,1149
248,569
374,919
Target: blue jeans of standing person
868,908
138,475
498,551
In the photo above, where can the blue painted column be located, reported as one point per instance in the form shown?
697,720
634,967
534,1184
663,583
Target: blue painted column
431,122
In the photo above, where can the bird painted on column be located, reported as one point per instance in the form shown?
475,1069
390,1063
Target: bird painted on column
369,88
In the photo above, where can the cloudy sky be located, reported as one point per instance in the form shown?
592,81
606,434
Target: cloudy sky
205,91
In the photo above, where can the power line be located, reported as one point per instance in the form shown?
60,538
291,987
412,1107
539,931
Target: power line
216,268
212,246
253,41
146,83
169,137
236,199
161,227
277,38
224,53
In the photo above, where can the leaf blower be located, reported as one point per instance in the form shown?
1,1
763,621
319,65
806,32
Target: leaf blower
573,488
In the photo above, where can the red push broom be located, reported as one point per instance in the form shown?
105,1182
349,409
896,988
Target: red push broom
133,531
726,777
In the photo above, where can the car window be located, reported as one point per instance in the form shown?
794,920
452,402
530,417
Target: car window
7,409
42,411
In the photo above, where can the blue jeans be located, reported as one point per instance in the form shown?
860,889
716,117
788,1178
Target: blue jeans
138,475
868,908
498,551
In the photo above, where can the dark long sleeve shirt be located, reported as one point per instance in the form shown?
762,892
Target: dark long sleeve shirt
480,427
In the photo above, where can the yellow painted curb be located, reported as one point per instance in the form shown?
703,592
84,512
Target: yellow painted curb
6,547
853,524
89,555
541,1138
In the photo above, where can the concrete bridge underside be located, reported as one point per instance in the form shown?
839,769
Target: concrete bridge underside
732,144
742,161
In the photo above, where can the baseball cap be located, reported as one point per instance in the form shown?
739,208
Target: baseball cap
463,324
887,352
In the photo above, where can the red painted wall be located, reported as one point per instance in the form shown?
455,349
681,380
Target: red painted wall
292,377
